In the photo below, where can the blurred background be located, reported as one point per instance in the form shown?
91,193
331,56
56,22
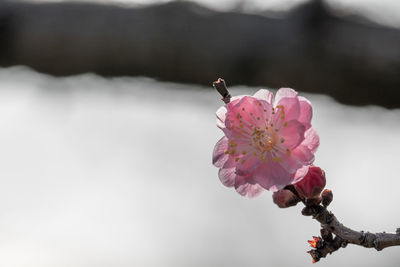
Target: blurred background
107,121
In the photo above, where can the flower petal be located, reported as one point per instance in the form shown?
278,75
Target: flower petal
219,156
221,116
272,176
247,113
290,163
306,112
245,186
249,190
265,95
227,176
303,154
292,134
247,165
284,93
287,98
311,140
300,173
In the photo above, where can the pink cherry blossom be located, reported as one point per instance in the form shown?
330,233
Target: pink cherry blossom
268,143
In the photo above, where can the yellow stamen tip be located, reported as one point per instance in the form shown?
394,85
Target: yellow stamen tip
277,159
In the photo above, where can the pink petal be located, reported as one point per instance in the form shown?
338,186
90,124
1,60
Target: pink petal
288,98
227,176
249,190
229,163
248,111
237,98
311,139
221,115
303,154
290,163
293,134
219,156
265,95
306,112
300,173
284,93
249,166
245,186
272,176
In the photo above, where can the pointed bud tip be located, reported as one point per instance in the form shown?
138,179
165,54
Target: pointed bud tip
316,242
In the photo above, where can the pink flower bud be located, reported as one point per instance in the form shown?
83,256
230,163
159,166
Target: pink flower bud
285,198
312,184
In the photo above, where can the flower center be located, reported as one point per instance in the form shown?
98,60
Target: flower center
255,137
264,140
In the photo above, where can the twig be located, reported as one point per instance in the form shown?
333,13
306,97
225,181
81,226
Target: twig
220,86
345,235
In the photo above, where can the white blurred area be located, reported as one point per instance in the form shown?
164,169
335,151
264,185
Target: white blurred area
385,12
117,172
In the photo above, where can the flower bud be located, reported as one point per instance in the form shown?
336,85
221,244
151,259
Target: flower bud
313,201
327,197
315,254
285,198
312,184
307,211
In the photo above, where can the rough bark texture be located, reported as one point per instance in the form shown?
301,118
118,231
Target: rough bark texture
343,234
378,241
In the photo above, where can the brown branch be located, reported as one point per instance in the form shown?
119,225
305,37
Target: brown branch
220,86
345,235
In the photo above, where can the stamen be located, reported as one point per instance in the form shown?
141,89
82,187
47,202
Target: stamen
277,159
